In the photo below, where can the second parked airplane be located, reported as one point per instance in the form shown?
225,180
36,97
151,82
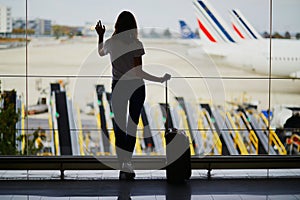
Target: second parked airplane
226,48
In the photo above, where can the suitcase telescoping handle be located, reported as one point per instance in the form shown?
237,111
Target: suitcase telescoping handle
167,118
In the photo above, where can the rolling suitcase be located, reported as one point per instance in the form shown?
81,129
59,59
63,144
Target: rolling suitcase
178,154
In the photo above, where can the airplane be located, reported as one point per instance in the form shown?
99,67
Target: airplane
40,107
186,31
242,26
188,37
226,48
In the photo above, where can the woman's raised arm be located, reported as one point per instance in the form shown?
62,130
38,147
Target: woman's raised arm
100,29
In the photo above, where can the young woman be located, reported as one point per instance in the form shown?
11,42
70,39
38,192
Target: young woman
128,88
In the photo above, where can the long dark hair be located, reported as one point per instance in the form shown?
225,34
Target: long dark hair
126,22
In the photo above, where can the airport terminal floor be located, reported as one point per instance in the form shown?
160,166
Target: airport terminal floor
151,185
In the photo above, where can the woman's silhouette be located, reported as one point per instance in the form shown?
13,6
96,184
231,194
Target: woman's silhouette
128,88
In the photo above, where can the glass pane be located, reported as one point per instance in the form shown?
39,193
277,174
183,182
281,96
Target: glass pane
285,60
233,41
227,70
12,78
225,75
234,91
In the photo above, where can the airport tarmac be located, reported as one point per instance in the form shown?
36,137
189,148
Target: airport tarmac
77,63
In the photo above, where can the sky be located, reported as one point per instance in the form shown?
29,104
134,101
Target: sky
159,13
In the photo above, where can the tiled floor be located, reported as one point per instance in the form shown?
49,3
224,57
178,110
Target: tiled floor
154,197
194,197
146,174
151,185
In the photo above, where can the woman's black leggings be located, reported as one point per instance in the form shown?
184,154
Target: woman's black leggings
127,95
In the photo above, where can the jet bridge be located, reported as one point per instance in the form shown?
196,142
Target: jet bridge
167,115
147,133
156,125
66,139
264,147
105,146
235,134
212,142
273,137
190,119
248,133
228,147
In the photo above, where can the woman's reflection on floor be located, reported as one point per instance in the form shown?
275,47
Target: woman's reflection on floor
125,190
172,192
178,191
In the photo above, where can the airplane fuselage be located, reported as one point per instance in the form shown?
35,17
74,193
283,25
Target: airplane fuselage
255,56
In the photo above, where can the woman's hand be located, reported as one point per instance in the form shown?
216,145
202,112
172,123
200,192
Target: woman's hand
166,77
99,28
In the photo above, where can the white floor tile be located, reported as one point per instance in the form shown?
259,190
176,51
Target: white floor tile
55,198
281,197
6,197
226,197
253,197
202,197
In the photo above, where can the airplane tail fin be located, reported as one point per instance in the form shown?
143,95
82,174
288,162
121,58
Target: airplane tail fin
185,30
242,27
211,25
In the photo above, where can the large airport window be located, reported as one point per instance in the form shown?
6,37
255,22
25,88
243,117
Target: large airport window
284,93
12,81
231,90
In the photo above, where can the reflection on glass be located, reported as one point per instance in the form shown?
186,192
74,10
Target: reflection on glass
284,94
220,94
12,81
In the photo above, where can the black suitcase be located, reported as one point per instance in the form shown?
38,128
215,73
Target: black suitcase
178,156
178,153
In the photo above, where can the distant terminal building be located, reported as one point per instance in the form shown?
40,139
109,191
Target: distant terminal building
40,26
5,20
89,29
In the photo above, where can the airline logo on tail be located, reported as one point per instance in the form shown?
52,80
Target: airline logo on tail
242,27
210,24
186,32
